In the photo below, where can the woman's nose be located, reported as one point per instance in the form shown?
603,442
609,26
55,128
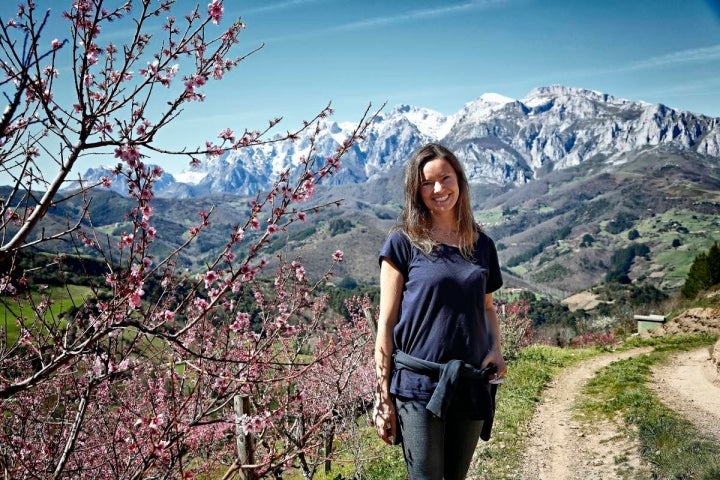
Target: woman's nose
437,187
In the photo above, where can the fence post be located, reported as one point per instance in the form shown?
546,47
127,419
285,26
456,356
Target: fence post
371,321
245,442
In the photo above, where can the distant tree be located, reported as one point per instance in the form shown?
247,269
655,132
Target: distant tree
633,234
587,240
621,222
698,278
336,226
704,272
714,263
676,243
622,261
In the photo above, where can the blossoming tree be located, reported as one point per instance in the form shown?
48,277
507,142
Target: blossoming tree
155,375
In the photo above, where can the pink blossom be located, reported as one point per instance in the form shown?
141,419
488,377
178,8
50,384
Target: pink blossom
227,134
241,322
169,315
238,235
337,256
13,216
6,285
155,423
92,58
147,212
254,423
128,153
105,182
300,273
126,240
272,228
142,128
211,277
136,298
301,216
215,10
55,44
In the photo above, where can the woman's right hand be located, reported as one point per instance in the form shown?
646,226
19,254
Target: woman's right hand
385,421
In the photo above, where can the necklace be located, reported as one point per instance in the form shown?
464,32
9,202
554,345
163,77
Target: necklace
446,236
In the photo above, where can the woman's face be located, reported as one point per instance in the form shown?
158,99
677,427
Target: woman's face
439,187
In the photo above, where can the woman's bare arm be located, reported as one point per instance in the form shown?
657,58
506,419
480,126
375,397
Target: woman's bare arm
391,287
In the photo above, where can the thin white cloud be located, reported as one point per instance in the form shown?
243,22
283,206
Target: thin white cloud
684,56
274,7
417,14
693,55
395,19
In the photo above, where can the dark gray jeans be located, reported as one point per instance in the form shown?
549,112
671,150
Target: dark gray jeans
436,449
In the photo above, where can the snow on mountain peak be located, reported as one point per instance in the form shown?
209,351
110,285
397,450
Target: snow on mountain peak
495,99
191,177
485,105
428,122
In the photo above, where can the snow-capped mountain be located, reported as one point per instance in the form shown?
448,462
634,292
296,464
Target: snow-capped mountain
500,140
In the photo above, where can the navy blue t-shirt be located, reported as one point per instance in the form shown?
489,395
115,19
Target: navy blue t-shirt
442,311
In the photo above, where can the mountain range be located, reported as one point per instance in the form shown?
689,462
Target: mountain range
564,180
502,141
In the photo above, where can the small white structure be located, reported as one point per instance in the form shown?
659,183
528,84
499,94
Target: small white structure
648,322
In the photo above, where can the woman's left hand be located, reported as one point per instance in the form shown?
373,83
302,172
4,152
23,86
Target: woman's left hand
494,357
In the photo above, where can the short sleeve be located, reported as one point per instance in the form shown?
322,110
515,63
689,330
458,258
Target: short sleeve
397,249
494,280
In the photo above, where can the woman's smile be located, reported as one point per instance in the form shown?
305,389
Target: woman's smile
439,187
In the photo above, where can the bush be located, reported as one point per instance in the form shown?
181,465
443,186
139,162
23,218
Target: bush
704,272
515,328
587,240
622,221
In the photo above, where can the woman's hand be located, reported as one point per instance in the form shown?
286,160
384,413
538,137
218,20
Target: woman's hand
385,421
494,357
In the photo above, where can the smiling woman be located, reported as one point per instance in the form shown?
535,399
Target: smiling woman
438,340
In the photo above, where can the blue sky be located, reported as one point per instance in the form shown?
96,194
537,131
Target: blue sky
441,55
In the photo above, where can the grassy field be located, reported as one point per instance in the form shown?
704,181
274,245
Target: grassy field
62,299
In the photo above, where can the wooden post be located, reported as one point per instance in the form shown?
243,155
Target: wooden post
245,442
371,321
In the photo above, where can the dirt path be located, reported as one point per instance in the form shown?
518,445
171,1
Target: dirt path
559,448
690,385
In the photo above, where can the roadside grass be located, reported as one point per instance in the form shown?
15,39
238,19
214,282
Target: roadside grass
528,374
671,445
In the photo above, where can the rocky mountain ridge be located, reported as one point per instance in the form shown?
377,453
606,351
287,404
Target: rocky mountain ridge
502,141
575,187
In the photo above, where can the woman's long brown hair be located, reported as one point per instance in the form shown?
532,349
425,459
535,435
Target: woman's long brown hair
416,218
